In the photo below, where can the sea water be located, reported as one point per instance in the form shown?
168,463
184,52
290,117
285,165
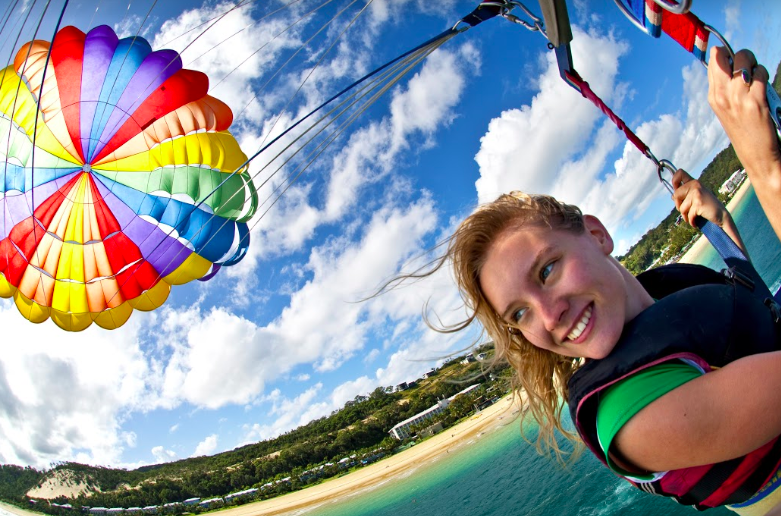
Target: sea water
499,474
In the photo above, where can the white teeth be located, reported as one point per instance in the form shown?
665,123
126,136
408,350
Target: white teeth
581,325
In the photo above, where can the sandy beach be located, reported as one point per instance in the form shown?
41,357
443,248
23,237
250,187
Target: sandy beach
694,252
502,413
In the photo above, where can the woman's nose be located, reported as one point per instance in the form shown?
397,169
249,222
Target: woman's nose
552,310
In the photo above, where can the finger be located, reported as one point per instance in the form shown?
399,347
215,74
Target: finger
744,59
685,208
679,178
720,62
761,74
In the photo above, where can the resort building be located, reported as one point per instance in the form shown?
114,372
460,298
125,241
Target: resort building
241,494
734,181
402,430
210,503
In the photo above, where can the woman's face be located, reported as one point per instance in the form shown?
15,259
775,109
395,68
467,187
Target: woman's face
562,290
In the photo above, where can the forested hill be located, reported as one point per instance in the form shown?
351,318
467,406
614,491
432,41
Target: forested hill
666,241
351,437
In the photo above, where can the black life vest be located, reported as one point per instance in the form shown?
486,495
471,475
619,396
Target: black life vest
702,316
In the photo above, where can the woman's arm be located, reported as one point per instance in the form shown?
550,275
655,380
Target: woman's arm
743,112
721,415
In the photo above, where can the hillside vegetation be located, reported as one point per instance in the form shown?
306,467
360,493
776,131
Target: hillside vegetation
349,438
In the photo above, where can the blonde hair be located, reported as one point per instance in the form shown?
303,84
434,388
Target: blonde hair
539,373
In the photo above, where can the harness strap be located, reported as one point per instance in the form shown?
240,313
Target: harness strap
574,79
484,11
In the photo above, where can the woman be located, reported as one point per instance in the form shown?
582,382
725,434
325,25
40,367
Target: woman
680,395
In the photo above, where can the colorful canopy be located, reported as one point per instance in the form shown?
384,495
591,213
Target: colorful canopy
118,184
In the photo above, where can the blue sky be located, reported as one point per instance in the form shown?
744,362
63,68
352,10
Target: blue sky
280,338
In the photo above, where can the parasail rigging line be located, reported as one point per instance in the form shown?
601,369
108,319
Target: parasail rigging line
6,18
323,145
94,13
272,39
285,6
345,106
300,48
312,70
405,65
35,127
239,5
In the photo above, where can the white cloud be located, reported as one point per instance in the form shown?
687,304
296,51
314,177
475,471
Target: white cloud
64,395
206,447
174,428
162,455
524,150
417,110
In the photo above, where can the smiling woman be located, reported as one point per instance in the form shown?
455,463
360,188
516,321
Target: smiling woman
672,377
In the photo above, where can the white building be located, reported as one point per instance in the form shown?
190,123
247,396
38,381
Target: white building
734,181
402,430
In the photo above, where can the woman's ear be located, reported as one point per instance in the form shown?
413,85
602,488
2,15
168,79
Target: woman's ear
597,230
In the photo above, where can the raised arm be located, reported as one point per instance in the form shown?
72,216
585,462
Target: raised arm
693,200
742,110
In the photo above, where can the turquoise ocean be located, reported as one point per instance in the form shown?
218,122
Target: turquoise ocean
499,474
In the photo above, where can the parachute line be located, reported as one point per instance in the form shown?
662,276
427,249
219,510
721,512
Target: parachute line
319,62
408,62
299,49
272,39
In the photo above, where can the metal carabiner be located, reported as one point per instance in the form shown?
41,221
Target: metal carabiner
674,7
666,164
629,14
536,25
723,41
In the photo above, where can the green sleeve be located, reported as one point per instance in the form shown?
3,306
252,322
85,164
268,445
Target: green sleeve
626,398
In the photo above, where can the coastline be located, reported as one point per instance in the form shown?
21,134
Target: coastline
501,413
701,244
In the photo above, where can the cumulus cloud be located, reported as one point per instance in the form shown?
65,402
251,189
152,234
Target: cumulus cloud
63,395
366,160
206,447
220,358
524,150
162,455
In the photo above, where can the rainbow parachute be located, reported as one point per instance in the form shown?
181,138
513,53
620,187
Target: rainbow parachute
117,179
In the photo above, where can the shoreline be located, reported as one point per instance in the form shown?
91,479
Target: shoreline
701,244
501,413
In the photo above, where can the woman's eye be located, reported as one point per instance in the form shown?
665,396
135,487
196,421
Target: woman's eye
518,315
546,271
